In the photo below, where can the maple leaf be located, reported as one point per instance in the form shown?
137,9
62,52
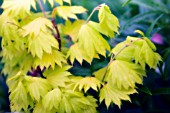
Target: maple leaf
108,22
58,76
18,8
124,75
50,59
75,53
52,99
18,98
37,87
76,102
111,94
141,50
40,38
91,40
87,83
68,11
39,108
72,29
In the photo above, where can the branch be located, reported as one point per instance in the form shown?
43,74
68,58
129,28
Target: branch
57,36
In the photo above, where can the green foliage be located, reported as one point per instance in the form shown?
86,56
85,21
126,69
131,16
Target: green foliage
38,70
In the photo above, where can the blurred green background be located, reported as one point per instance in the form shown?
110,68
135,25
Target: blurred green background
153,18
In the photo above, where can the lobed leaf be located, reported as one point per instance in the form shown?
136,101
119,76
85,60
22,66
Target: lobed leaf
69,11
18,8
111,94
108,22
87,83
37,87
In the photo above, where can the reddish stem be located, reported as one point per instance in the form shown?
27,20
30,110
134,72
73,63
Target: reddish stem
57,36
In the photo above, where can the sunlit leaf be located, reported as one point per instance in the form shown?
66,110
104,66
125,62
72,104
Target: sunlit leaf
111,94
18,8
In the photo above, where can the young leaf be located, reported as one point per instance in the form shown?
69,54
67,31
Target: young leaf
124,75
68,11
87,83
37,87
111,94
18,8
108,22
58,76
18,98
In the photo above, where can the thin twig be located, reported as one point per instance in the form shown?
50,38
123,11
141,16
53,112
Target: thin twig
112,58
96,8
57,36
42,8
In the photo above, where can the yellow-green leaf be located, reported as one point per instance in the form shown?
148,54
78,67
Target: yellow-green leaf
72,29
39,108
58,76
114,95
37,87
52,99
87,83
69,11
91,40
108,22
18,8
124,75
18,98
50,59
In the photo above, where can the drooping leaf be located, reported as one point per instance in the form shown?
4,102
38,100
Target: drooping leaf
108,22
18,98
37,87
18,8
141,50
114,95
91,40
52,99
75,53
87,83
58,76
40,37
124,75
69,11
